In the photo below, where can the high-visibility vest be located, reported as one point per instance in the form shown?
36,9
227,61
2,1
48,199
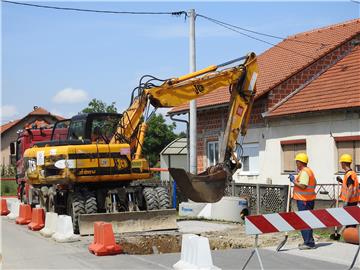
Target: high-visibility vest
354,191
307,194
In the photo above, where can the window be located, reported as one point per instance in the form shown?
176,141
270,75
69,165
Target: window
249,156
77,130
349,145
103,128
212,153
289,150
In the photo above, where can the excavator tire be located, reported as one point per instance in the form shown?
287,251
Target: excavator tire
151,199
90,202
76,207
163,197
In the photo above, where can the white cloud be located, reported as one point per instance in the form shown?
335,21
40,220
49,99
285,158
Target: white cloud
70,96
8,111
62,113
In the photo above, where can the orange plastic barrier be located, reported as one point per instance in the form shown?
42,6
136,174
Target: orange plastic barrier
104,240
351,235
4,209
37,219
24,214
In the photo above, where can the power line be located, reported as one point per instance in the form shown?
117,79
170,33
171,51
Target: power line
259,33
258,39
175,13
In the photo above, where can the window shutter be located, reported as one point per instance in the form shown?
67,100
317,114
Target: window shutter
344,147
288,157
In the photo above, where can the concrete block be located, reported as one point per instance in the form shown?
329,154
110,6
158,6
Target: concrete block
14,209
50,224
195,254
64,230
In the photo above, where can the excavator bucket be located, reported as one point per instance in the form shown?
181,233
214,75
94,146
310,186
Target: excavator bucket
136,221
204,187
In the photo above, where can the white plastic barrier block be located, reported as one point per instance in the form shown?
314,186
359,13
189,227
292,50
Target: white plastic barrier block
195,254
14,210
50,224
64,230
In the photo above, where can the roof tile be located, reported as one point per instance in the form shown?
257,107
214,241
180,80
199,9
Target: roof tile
336,88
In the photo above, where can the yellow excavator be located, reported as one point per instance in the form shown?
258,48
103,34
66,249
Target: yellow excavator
93,168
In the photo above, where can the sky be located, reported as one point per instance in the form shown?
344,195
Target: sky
60,60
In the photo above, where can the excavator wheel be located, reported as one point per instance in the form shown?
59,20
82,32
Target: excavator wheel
90,202
151,199
76,207
163,197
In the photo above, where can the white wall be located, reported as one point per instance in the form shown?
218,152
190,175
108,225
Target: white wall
318,130
176,161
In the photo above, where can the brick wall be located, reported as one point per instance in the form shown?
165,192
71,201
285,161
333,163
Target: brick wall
210,126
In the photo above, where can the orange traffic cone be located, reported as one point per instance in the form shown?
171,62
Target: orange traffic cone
24,214
37,219
4,209
104,240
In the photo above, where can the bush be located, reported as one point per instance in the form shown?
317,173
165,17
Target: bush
8,188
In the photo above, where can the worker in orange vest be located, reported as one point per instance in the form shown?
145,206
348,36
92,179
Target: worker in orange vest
350,185
304,194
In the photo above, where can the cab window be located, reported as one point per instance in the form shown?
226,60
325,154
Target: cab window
77,130
103,128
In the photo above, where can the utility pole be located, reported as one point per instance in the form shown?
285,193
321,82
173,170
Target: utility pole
192,113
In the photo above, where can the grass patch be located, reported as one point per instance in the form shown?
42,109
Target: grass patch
8,188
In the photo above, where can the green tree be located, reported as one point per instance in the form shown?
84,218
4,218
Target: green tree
158,135
96,105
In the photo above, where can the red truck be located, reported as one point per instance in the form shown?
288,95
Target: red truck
26,139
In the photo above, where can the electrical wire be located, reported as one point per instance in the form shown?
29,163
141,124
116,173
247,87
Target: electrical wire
175,13
262,34
261,40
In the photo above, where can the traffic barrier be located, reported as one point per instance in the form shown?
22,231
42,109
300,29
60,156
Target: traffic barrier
4,208
351,235
64,232
195,253
37,219
50,224
301,220
104,240
14,210
24,214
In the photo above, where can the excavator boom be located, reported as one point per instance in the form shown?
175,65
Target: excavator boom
210,185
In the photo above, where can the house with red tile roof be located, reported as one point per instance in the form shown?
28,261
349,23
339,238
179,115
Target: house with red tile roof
307,100
38,117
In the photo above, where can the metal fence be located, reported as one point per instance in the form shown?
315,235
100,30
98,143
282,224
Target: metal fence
266,198
262,198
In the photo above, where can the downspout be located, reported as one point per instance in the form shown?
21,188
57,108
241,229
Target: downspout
187,137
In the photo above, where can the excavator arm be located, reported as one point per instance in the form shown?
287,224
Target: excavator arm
208,186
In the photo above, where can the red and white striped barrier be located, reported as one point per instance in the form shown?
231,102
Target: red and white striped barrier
302,220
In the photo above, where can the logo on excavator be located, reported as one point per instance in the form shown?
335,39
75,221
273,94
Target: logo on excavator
121,163
199,88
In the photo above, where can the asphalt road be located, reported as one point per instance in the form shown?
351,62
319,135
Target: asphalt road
25,249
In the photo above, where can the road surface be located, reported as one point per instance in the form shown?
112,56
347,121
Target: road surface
25,249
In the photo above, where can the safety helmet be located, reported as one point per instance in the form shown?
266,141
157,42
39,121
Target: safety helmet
302,157
345,158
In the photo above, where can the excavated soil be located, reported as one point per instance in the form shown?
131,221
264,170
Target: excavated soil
235,237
